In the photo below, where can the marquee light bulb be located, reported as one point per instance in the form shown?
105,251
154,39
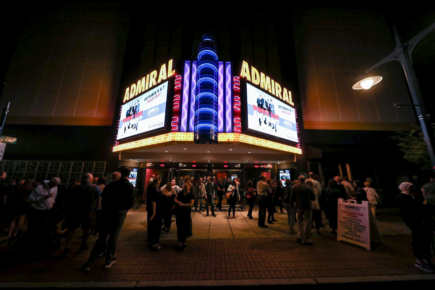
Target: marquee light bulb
367,84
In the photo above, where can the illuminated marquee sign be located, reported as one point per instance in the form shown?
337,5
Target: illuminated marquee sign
149,81
266,83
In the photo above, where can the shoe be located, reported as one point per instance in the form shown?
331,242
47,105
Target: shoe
251,218
207,215
263,226
214,215
65,253
334,232
109,264
424,267
322,226
299,241
86,267
274,220
309,244
234,217
319,233
270,222
180,247
149,245
167,229
229,217
156,247
189,236
291,232
83,248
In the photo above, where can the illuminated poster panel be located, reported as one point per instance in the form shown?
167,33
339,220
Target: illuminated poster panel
268,115
144,113
133,176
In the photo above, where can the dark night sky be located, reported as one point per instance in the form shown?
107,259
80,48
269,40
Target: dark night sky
409,21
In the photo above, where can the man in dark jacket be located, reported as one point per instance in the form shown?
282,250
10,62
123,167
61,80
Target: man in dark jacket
117,199
301,196
80,206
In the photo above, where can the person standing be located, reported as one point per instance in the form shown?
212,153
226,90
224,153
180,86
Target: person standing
41,201
184,202
350,191
279,194
361,194
81,205
271,204
210,196
301,197
291,211
16,205
372,197
263,190
421,225
201,193
118,198
340,186
155,211
169,207
333,193
220,193
101,184
250,198
315,207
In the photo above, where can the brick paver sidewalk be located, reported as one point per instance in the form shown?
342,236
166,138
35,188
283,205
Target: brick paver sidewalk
231,259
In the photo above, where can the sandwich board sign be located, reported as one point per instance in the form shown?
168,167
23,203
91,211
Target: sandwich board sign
2,150
356,224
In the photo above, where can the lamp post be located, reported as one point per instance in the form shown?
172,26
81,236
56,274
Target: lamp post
402,53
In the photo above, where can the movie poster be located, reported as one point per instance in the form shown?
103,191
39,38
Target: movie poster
133,176
144,113
268,115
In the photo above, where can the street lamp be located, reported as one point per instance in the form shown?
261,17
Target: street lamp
402,53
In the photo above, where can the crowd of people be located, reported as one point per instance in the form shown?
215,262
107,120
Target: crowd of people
100,208
303,200
91,205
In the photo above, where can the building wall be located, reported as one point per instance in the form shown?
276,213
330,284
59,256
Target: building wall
67,65
334,47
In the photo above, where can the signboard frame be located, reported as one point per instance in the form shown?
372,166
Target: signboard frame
352,218
246,130
168,115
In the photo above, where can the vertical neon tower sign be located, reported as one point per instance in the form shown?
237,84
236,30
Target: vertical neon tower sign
176,104
237,105
206,103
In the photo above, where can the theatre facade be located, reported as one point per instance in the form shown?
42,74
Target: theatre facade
230,93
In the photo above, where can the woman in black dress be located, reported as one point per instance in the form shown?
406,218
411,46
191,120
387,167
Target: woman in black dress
331,204
184,202
156,203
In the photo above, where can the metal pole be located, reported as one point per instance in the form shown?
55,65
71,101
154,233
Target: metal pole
5,114
417,98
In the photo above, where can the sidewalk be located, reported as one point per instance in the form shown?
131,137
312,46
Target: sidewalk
225,252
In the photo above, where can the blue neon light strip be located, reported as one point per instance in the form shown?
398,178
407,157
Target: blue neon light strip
206,110
207,125
207,65
185,96
206,51
210,95
207,79
192,98
228,112
221,98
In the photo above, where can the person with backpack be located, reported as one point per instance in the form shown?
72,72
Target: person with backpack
251,194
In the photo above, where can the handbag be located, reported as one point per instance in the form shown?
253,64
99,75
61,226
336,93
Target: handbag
228,195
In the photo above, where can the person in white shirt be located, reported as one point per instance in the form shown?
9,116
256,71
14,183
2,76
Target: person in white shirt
372,197
41,201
